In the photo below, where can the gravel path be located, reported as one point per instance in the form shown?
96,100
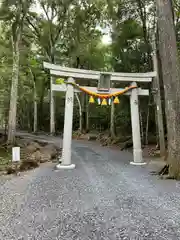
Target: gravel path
103,198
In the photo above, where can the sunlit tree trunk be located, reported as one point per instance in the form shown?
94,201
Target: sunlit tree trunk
171,78
52,109
14,90
34,102
35,109
41,109
52,98
158,103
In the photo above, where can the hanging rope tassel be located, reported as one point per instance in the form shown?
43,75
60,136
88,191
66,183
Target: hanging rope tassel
116,100
104,102
99,101
59,81
109,101
91,99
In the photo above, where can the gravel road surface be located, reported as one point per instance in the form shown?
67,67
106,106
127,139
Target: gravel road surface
103,198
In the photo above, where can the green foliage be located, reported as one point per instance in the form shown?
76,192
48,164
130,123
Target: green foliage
68,32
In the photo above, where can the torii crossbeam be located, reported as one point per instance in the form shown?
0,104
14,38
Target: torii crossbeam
72,74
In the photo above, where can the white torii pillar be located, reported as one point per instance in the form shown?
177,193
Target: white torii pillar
135,123
68,123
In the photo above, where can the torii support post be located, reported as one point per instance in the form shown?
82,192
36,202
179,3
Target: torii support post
68,123
136,135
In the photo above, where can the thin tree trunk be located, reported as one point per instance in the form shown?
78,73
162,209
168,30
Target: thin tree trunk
112,125
14,92
83,104
87,114
6,122
147,122
80,112
52,99
29,121
157,100
157,133
34,102
35,109
171,78
141,126
142,9
81,120
41,109
52,109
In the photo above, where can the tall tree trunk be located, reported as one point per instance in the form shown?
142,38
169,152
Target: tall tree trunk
142,9
52,109
81,120
147,122
80,112
52,98
34,101
6,122
171,79
41,109
29,126
112,125
158,103
35,109
87,113
83,104
14,91
141,125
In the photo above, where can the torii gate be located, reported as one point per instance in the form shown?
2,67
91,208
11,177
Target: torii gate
71,74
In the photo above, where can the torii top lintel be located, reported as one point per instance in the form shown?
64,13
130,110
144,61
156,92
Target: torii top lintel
95,75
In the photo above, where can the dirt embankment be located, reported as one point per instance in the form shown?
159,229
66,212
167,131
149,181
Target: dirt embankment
32,154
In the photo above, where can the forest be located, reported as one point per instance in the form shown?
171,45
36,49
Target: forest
104,35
